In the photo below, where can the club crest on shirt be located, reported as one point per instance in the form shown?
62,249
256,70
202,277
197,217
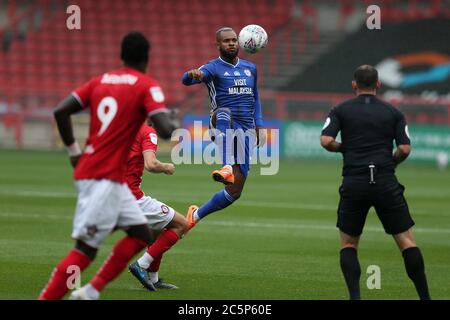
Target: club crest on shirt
248,73
153,138
92,230
157,94
164,209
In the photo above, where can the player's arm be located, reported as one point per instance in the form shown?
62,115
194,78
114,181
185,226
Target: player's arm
153,165
161,118
193,76
62,114
330,144
401,153
329,132
164,124
196,76
402,140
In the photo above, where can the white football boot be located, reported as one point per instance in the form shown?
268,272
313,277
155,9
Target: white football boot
82,294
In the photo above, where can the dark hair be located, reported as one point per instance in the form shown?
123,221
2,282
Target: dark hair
366,77
223,29
135,48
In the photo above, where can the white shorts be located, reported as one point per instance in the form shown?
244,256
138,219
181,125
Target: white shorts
157,213
103,205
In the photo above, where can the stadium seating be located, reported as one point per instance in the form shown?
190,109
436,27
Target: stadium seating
52,60
44,63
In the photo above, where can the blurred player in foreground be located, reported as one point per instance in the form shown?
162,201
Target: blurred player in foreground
232,86
119,101
169,226
368,129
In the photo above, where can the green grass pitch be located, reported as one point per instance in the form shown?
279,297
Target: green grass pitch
278,241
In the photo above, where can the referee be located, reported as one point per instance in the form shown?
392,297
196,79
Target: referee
368,128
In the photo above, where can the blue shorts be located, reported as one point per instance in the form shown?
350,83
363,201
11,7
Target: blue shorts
244,143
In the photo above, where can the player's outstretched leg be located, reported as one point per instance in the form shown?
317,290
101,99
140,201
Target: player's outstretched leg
220,200
222,122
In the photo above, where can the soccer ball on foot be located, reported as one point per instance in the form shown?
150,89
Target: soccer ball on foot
253,38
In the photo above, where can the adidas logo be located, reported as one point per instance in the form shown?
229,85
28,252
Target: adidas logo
226,74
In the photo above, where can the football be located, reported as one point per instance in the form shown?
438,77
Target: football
253,38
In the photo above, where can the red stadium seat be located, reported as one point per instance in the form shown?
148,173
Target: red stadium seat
181,32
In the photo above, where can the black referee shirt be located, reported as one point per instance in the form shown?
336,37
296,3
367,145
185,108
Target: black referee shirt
368,128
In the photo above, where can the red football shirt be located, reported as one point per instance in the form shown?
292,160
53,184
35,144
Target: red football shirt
146,140
119,102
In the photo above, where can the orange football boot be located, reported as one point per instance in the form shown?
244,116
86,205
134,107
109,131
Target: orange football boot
224,175
190,216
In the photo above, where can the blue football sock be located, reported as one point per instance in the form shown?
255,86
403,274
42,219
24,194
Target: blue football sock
223,123
219,201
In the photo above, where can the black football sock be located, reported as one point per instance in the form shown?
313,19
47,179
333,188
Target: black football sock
415,267
352,271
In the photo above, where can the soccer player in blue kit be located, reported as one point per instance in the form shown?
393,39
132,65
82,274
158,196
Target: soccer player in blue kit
235,108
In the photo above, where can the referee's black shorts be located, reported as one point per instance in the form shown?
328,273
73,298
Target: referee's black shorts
358,196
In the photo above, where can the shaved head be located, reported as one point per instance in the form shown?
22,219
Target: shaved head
219,32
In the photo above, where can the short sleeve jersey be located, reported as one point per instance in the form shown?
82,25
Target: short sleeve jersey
233,87
146,141
119,102
368,127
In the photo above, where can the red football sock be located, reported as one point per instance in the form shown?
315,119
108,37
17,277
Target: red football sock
121,254
164,242
57,285
154,266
